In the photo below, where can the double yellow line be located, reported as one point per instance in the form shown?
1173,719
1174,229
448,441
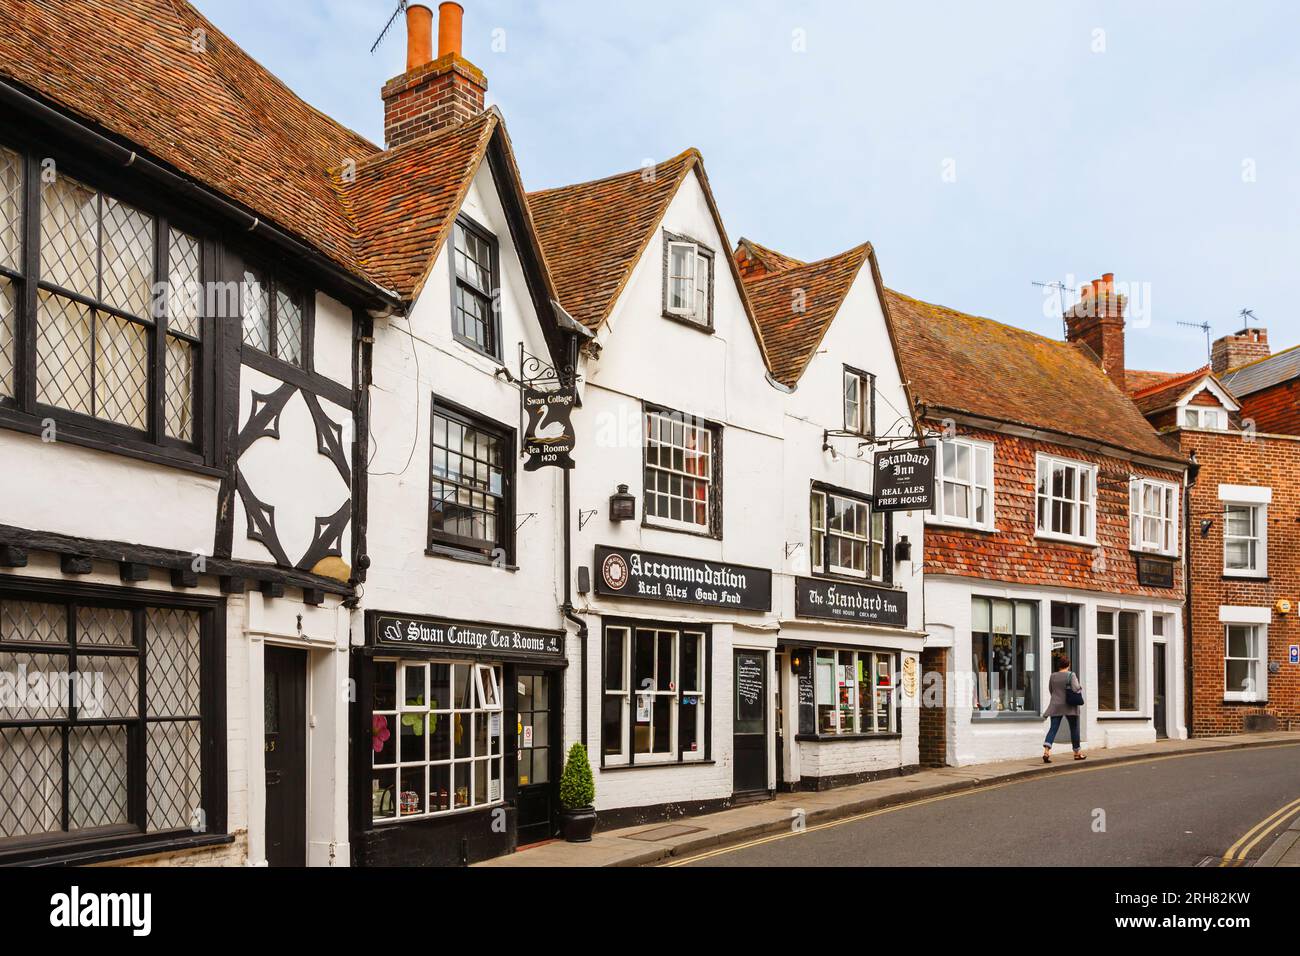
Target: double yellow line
1239,852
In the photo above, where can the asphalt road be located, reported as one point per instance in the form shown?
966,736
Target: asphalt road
1163,812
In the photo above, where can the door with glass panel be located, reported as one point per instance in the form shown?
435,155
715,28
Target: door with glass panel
538,751
749,750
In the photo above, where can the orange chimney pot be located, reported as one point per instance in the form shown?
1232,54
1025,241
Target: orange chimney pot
419,36
451,17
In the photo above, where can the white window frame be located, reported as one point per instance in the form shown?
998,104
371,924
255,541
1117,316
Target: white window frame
861,387
1165,518
977,483
629,696
1200,413
1112,708
480,708
872,660
874,540
709,436
699,312
1258,500
1087,529
1259,661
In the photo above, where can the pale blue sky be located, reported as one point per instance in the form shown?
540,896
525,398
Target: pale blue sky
1068,162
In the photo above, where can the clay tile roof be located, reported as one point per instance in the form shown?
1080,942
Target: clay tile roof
1137,380
795,306
213,114
594,233
769,259
966,364
405,200
1166,391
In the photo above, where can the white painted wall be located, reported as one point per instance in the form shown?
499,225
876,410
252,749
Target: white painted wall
719,377
948,604
413,360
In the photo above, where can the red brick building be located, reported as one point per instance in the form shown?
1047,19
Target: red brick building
1056,529
1240,422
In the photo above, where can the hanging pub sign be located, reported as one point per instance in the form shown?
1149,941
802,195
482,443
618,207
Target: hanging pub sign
480,640
621,572
1154,572
850,603
549,437
905,480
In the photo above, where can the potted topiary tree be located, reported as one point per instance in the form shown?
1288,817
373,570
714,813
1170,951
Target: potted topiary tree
577,796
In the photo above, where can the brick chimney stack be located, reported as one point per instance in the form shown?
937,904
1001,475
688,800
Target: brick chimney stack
432,94
1097,320
1242,348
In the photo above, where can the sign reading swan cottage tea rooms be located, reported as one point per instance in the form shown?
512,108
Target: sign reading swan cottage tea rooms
905,480
480,640
621,572
853,603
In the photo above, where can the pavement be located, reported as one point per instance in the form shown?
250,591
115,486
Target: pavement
660,843
1286,851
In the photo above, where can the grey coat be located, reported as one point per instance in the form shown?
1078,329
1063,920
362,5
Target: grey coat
1056,684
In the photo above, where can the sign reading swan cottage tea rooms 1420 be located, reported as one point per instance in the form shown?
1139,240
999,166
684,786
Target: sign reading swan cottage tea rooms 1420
905,480
853,603
479,640
621,572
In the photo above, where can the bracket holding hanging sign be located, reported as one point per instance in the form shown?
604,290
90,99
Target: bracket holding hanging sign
546,402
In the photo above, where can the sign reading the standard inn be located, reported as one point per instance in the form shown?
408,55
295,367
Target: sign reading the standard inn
851,603
661,577
476,639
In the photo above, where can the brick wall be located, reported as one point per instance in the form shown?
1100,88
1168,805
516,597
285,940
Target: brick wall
934,719
443,93
1013,554
1265,462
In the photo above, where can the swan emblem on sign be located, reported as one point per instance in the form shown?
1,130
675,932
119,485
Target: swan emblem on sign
551,431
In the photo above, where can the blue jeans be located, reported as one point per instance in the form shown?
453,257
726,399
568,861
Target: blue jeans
1056,725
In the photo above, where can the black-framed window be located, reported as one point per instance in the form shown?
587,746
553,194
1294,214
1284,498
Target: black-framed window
688,280
473,288
848,537
471,506
683,472
104,733
859,402
1004,655
656,681
100,309
274,316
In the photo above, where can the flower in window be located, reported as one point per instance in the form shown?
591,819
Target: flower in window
379,733
415,721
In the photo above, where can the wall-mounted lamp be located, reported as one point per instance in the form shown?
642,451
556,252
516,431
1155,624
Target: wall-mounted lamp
622,506
796,661
903,550
1206,525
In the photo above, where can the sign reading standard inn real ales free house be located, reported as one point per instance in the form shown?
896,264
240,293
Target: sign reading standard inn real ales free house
621,572
852,603
479,640
905,480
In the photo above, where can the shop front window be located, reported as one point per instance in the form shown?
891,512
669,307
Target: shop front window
655,691
1117,660
436,736
1004,656
855,692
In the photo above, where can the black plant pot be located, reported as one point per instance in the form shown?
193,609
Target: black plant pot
576,826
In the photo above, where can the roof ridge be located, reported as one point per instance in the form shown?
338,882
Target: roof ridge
1261,361
863,250
1175,378
690,152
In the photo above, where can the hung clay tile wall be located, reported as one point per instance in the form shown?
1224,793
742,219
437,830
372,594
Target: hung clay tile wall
1012,553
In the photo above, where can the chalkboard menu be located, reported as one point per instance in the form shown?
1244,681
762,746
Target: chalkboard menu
807,696
750,706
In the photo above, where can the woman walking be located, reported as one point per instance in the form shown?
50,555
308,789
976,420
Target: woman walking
1067,696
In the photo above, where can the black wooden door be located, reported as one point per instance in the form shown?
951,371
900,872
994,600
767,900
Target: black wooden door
537,750
286,757
749,741
1161,689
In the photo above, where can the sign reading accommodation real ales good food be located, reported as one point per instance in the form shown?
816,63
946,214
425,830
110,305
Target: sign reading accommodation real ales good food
477,639
621,572
905,480
852,603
